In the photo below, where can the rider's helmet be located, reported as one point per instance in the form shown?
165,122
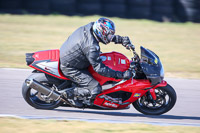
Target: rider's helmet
104,29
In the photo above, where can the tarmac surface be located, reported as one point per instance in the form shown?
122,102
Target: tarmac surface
185,112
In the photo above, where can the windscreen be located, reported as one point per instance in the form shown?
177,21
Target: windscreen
151,65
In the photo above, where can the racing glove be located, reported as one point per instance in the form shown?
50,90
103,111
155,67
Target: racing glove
123,75
127,43
117,39
130,46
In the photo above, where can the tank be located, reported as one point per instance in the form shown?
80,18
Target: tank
113,60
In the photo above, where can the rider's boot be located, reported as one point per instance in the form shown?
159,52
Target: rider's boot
94,92
72,98
85,95
80,96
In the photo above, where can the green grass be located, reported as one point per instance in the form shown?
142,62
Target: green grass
13,125
177,44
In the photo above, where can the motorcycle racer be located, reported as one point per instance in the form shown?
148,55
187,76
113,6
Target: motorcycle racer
82,49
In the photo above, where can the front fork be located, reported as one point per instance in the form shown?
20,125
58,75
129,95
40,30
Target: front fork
153,94
152,90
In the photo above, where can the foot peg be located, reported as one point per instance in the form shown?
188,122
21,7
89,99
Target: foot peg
72,100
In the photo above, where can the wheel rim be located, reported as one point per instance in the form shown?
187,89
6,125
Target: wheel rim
162,101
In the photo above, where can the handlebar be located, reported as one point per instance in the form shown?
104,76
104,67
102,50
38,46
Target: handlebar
135,57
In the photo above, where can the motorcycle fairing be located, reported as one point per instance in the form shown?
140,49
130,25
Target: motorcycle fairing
46,61
137,88
151,66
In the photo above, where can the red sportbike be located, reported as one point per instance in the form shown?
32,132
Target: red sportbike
146,91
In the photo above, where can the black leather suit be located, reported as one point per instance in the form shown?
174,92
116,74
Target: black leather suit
79,51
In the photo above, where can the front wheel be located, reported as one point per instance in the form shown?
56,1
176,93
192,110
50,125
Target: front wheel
166,99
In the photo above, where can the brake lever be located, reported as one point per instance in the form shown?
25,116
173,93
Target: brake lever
135,55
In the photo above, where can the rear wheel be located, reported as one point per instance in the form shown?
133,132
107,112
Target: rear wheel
37,99
166,99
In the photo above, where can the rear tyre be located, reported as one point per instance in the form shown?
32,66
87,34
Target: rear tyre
166,99
37,99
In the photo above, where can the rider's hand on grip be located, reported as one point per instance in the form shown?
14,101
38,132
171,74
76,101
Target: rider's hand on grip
130,46
127,43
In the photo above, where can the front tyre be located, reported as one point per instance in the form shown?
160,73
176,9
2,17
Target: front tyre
37,99
166,99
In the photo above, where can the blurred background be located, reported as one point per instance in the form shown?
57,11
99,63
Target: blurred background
159,10
170,28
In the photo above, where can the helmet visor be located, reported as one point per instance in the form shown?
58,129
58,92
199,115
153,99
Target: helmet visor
111,35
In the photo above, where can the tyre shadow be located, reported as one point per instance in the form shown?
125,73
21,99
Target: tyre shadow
174,117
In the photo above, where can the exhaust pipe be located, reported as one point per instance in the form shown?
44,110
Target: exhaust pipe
43,89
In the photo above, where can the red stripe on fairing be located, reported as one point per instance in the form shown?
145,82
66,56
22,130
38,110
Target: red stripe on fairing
60,77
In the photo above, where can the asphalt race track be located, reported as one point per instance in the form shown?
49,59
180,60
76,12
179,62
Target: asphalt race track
185,112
